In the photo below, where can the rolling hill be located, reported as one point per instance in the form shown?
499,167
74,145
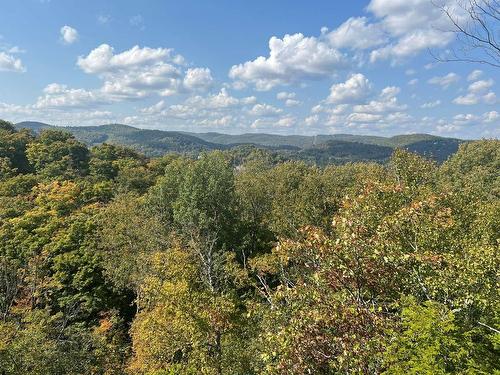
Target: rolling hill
322,149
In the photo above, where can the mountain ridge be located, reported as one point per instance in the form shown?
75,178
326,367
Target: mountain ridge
154,142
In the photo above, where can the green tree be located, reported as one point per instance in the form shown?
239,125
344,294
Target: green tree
57,154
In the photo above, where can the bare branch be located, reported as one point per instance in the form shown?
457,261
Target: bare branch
477,33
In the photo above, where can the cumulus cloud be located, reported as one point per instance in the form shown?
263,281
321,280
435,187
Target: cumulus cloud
357,33
218,110
444,81
60,96
291,60
69,35
356,88
410,45
197,108
399,29
394,30
55,116
311,120
386,102
10,63
198,79
283,95
356,108
478,92
265,110
292,102
142,71
155,108
133,74
475,75
414,25
218,101
363,117
283,122
288,98
480,86
491,116
103,59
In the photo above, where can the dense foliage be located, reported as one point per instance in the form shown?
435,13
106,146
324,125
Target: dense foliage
237,262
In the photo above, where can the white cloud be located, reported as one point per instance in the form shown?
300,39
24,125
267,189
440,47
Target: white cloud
386,102
465,118
400,17
69,35
155,108
363,117
413,81
198,79
431,104
103,59
471,124
357,33
469,99
480,86
196,108
60,96
411,44
13,110
395,30
292,103
311,120
291,60
283,95
55,116
356,88
477,92
445,81
283,122
215,111
491,116
163,79
447,128
15,50
414,25
265,110
474,75
221,100
360,110
9,63
287,121
143,71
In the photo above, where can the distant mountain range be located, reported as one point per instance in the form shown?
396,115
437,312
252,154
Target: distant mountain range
322,149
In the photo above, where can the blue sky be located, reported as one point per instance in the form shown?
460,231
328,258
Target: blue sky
290,67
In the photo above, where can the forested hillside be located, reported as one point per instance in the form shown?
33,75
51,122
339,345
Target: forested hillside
242,262
335,148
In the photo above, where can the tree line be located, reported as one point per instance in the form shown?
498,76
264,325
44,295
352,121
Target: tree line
234,262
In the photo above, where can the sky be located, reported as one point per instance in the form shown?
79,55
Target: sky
234,66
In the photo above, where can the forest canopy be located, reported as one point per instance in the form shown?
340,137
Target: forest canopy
236,262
